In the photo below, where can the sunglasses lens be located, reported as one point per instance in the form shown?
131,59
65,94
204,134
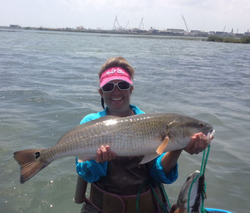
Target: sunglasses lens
123,85
108,87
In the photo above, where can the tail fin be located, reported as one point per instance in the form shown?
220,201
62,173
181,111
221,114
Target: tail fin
30,162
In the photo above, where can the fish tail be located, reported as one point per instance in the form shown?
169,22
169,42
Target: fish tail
30,163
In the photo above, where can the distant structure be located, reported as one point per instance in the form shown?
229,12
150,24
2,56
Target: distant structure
198,33
116,23
140,29
15,26
141,25
153,30
80,28
127,26
118,29
176,31
185,23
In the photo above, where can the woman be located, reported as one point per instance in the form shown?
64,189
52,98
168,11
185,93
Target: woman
116,181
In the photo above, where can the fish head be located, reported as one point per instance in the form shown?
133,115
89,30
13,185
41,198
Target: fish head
192,191
182,128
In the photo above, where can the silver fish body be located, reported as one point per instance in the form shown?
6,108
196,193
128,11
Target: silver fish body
145,134
193,191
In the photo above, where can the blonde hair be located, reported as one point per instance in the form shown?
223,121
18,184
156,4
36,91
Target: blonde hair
117,62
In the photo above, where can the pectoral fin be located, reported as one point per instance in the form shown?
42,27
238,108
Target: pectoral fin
163,145
148,158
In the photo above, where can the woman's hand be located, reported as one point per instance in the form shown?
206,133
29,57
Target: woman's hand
104,153
197,144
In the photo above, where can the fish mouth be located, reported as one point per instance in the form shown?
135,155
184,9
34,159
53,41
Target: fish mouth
210,135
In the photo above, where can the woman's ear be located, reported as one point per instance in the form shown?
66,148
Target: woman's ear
100,91
131,89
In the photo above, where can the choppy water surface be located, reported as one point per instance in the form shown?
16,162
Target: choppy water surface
48,82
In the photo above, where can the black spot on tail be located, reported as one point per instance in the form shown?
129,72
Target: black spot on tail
37,155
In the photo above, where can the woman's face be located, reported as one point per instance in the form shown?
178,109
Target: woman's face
117,101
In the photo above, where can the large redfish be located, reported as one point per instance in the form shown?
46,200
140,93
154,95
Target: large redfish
146,134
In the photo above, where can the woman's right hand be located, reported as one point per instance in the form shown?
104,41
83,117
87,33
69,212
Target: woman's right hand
104,153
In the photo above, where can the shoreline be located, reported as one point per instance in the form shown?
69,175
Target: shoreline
225,38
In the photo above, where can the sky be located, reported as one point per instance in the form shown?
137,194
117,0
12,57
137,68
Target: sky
204,15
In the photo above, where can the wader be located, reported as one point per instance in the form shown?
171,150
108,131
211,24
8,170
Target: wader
118,191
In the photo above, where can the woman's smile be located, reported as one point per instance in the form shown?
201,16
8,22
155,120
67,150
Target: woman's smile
116,99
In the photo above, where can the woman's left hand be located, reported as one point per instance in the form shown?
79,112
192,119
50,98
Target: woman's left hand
197,143
104,153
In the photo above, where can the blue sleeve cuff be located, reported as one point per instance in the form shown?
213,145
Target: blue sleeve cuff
158,173
91,171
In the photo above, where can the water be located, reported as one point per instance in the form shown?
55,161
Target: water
48,82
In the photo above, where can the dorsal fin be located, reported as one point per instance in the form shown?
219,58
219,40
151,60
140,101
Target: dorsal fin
85,125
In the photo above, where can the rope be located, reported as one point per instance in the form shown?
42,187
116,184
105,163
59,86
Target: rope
138,195
161,204
165,193
202,172
204,164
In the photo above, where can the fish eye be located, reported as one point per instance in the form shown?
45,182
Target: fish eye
201,125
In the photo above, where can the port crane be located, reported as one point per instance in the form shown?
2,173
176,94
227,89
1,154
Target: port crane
185,23
127,26
141,24
116,22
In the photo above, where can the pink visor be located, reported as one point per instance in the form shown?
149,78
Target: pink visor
114,73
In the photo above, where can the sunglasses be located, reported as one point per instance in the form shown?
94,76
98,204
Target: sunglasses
122,85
